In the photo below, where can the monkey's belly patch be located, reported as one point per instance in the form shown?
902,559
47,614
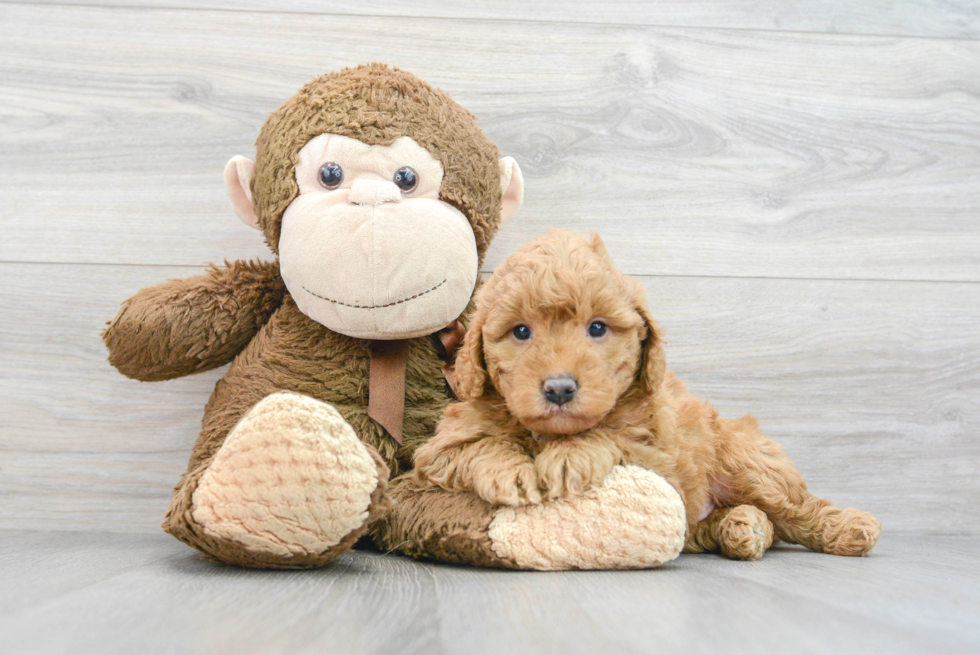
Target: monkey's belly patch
635,519
292,478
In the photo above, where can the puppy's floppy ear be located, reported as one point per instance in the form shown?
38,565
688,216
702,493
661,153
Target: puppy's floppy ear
470,370
595,242
653,361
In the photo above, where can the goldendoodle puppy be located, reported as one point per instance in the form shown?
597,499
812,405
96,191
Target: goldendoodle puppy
562,376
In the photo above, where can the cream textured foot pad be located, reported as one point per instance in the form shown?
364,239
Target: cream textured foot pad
635,519
292,478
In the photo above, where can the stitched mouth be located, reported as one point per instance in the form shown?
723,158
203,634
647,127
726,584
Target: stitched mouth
390,304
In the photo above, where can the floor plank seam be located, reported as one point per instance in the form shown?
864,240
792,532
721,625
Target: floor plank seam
529,21
488,272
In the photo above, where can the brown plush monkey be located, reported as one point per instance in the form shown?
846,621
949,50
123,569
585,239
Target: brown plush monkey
380,196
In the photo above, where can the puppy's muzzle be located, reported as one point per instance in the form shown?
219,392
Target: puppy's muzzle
559,390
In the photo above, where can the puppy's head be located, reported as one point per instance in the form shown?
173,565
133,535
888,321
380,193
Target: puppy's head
561,335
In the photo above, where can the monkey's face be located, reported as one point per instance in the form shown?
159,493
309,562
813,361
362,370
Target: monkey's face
367,248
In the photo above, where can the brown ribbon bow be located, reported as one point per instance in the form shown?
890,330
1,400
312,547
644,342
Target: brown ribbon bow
386,376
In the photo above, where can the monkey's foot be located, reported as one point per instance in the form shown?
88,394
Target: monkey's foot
634,519
291,487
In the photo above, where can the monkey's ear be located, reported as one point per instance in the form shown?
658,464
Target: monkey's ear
238,183
512,186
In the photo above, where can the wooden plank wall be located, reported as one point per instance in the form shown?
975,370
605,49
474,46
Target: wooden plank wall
796,183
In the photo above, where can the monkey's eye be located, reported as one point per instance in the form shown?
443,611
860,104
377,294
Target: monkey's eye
521,332
331,175
597,329
406,179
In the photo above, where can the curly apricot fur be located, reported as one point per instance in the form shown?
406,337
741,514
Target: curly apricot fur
627,409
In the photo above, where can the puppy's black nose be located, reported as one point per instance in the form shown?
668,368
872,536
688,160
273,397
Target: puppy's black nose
559,390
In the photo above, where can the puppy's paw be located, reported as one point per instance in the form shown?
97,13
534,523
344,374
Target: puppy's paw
511,484
438,470
745,533
852,533
570,468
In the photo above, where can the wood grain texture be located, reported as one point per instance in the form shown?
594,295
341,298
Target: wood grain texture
872,387
803,208
950,18
85,593
693,151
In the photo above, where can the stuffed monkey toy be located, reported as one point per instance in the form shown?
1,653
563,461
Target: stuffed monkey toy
379,195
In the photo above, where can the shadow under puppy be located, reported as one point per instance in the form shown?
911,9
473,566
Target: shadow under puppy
562,376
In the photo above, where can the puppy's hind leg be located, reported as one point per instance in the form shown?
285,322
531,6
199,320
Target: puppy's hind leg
820,525
742,532
763,475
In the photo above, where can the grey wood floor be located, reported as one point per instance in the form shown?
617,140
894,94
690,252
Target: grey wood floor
95,593
797,184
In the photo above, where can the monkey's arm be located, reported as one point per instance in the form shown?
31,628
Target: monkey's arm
195,324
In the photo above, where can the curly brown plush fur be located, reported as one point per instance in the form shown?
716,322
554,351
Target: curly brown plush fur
242,313
512,445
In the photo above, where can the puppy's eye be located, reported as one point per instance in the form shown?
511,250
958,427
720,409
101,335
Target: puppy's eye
406,179
522,333
331,175
597,329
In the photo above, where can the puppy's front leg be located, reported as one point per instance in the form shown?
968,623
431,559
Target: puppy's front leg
567,466
461,457
491,468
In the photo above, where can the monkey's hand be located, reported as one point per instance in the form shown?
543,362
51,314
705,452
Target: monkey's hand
570,465
186,326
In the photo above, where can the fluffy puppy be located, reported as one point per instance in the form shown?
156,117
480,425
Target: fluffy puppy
562,376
